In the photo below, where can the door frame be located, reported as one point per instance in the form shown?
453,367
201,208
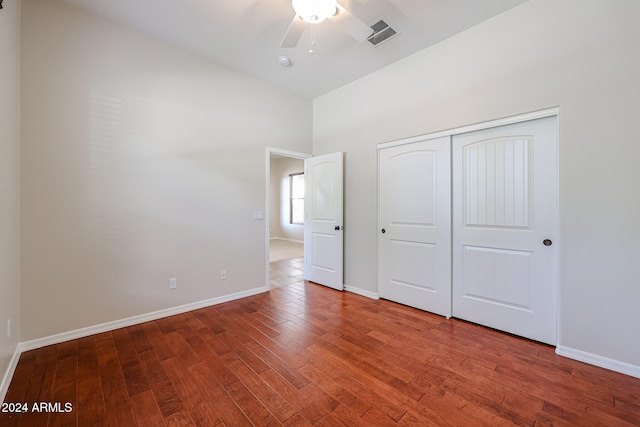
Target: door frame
549,112
267,214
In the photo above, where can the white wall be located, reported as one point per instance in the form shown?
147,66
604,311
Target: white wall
280,226
583,56
9,182
140,163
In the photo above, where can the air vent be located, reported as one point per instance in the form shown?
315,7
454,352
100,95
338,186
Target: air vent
381,32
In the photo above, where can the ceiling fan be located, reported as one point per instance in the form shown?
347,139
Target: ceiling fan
316,11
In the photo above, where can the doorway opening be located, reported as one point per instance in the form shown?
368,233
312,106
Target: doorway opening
285,226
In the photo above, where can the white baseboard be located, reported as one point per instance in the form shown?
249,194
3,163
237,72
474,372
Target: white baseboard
362,292
8,375
601,361
134,320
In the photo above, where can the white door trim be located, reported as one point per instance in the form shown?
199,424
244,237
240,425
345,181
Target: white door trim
555,111
267,213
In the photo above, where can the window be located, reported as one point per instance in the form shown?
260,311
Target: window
296,198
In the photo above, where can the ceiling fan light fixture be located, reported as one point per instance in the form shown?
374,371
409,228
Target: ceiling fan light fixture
314,11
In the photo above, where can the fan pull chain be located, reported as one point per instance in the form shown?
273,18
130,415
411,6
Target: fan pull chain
313,40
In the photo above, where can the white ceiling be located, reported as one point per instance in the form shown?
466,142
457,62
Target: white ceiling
246,34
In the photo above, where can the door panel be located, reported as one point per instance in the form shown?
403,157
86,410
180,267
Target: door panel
415,213
504,190
497,276
323,252
496,186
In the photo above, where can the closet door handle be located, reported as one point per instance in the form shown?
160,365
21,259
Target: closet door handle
383,231
547,242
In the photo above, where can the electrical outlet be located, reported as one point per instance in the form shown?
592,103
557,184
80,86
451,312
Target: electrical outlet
223,274
173,283
9,328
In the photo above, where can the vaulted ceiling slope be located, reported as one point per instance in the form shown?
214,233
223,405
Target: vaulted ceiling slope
246,34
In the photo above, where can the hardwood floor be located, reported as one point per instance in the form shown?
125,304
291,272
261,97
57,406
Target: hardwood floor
302,355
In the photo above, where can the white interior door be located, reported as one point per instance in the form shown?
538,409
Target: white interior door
415,225
323,240
504,228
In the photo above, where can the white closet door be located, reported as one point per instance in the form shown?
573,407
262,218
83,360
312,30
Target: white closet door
504,228
415,225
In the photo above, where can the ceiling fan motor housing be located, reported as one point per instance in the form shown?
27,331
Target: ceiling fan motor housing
314,11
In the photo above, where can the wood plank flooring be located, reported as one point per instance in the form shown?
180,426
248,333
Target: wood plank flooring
303,355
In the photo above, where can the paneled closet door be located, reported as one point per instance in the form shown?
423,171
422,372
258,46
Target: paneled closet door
415,225
504,228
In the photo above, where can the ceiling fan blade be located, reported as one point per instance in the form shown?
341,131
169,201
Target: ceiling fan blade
296,28
352,25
